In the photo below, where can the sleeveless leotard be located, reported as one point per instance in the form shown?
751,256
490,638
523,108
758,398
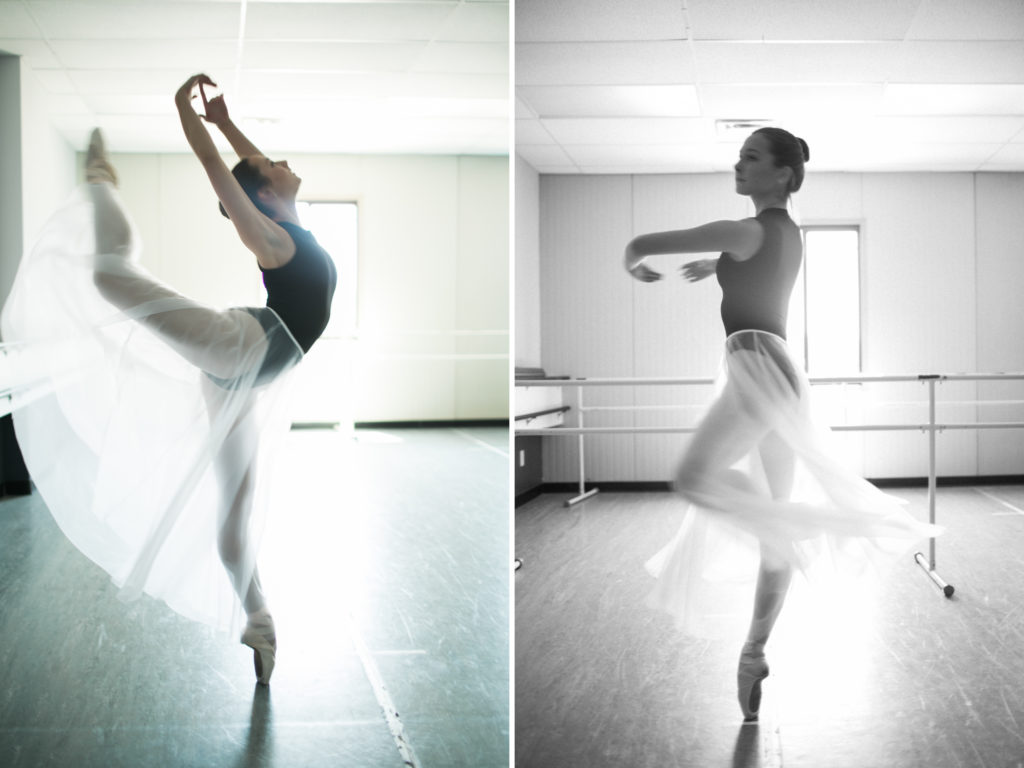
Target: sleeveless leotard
299,296
301,291
755,292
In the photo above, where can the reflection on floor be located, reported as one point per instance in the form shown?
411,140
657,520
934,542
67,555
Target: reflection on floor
888,676
387,569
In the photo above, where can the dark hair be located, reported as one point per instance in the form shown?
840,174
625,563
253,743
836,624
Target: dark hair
789,151
251,181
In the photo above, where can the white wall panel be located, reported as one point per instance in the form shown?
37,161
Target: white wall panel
1000,270
919,301
586,300
527,265
482,288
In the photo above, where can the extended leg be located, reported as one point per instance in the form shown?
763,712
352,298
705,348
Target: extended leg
225,343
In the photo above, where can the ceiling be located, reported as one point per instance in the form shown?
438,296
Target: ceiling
609,86
415,76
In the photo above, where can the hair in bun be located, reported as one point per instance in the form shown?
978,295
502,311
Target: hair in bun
789,152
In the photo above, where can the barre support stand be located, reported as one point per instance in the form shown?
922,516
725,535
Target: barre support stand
583,494
929,565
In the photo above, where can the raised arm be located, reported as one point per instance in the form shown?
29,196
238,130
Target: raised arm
217,113
266,239
740,239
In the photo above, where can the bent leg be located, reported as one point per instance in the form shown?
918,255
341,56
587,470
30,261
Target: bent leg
224,343
726,435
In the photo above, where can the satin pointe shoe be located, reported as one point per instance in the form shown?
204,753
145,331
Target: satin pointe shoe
97,164
753,669
259,635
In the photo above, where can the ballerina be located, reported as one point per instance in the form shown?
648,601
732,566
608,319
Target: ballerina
150,449
761,411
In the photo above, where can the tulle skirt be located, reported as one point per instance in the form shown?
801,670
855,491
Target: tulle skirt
761,479
148,427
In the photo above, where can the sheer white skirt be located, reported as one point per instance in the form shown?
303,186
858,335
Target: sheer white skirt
148,421
760,478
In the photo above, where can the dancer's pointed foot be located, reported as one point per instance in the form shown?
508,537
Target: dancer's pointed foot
259,635
98,168
753,669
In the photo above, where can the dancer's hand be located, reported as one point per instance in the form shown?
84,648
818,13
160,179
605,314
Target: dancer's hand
698,270
185,95
216,109
644,274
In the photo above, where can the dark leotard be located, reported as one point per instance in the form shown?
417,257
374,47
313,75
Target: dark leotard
755,292
301,291
299,295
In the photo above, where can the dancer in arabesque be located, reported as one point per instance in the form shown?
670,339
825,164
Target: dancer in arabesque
761,413
150,452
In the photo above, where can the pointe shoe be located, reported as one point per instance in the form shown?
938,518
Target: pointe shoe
97,165
753,669
261,638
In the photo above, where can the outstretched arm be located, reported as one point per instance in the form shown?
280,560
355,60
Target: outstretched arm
740,239
217,113
266,239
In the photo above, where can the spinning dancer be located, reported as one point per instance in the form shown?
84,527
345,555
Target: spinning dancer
761,414
150,449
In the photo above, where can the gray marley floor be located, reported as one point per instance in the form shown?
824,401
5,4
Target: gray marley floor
891,675
386,563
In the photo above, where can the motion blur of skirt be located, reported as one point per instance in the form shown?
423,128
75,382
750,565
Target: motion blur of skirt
136,451
833,523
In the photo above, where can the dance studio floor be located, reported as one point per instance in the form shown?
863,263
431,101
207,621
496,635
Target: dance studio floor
886,676
387,570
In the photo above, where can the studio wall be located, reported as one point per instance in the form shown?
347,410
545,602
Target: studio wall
433,277
940,254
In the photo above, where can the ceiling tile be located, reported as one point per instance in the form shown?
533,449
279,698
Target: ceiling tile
68,20
649,63
612,100
623,131
593,20
318,55
524,110
544,156
532,132
960,20
952,99
747,62
479,58
189,55
477,22
379,22
821,20
691,158
36,53
773,101
16,21
1007,158
959,62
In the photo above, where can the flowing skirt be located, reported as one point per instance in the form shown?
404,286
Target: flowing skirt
760,477
148,427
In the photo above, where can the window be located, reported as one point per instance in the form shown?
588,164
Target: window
335,226
824,312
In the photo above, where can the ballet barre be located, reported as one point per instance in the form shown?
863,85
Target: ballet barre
932,427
